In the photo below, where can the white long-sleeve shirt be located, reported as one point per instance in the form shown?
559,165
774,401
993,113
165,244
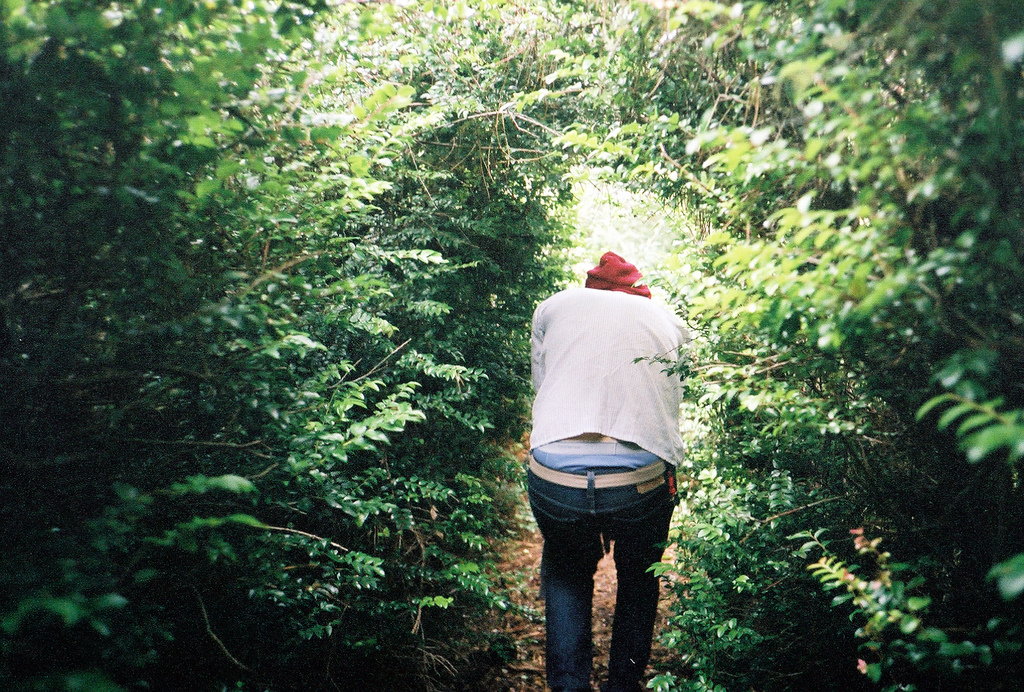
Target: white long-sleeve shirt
593,370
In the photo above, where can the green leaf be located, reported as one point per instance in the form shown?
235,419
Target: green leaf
926,408
246,520
231,483
201,484
980,444
1009,576
915,603
207,187
952,414
90,681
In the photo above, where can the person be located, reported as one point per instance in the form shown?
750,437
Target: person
604,444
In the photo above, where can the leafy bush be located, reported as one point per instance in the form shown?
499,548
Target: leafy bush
846,286
895,623
849,171
263,343
747,613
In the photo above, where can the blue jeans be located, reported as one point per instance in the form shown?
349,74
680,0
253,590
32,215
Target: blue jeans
573,523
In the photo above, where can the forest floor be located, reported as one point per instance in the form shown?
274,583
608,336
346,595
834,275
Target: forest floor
518,636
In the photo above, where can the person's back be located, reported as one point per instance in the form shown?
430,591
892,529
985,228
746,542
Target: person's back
598,367
604,443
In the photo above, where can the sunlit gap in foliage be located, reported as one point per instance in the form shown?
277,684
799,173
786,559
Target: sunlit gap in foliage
638,225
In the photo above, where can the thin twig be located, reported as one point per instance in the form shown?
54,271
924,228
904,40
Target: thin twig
266,276
684,171
264,472
285,529
214,637
196,443
791,511
376,367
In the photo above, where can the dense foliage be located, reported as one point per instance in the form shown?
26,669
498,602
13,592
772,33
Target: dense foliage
267,271
851,171
266,283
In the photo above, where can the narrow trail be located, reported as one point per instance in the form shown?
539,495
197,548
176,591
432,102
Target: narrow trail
523,668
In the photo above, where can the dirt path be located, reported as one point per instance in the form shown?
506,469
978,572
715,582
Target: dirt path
523,669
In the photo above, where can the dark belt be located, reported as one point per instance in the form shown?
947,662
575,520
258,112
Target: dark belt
645,479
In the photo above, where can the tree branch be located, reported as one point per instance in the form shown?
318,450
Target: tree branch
787,512
214,637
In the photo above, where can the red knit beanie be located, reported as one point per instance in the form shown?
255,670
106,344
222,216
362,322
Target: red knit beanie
616,274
